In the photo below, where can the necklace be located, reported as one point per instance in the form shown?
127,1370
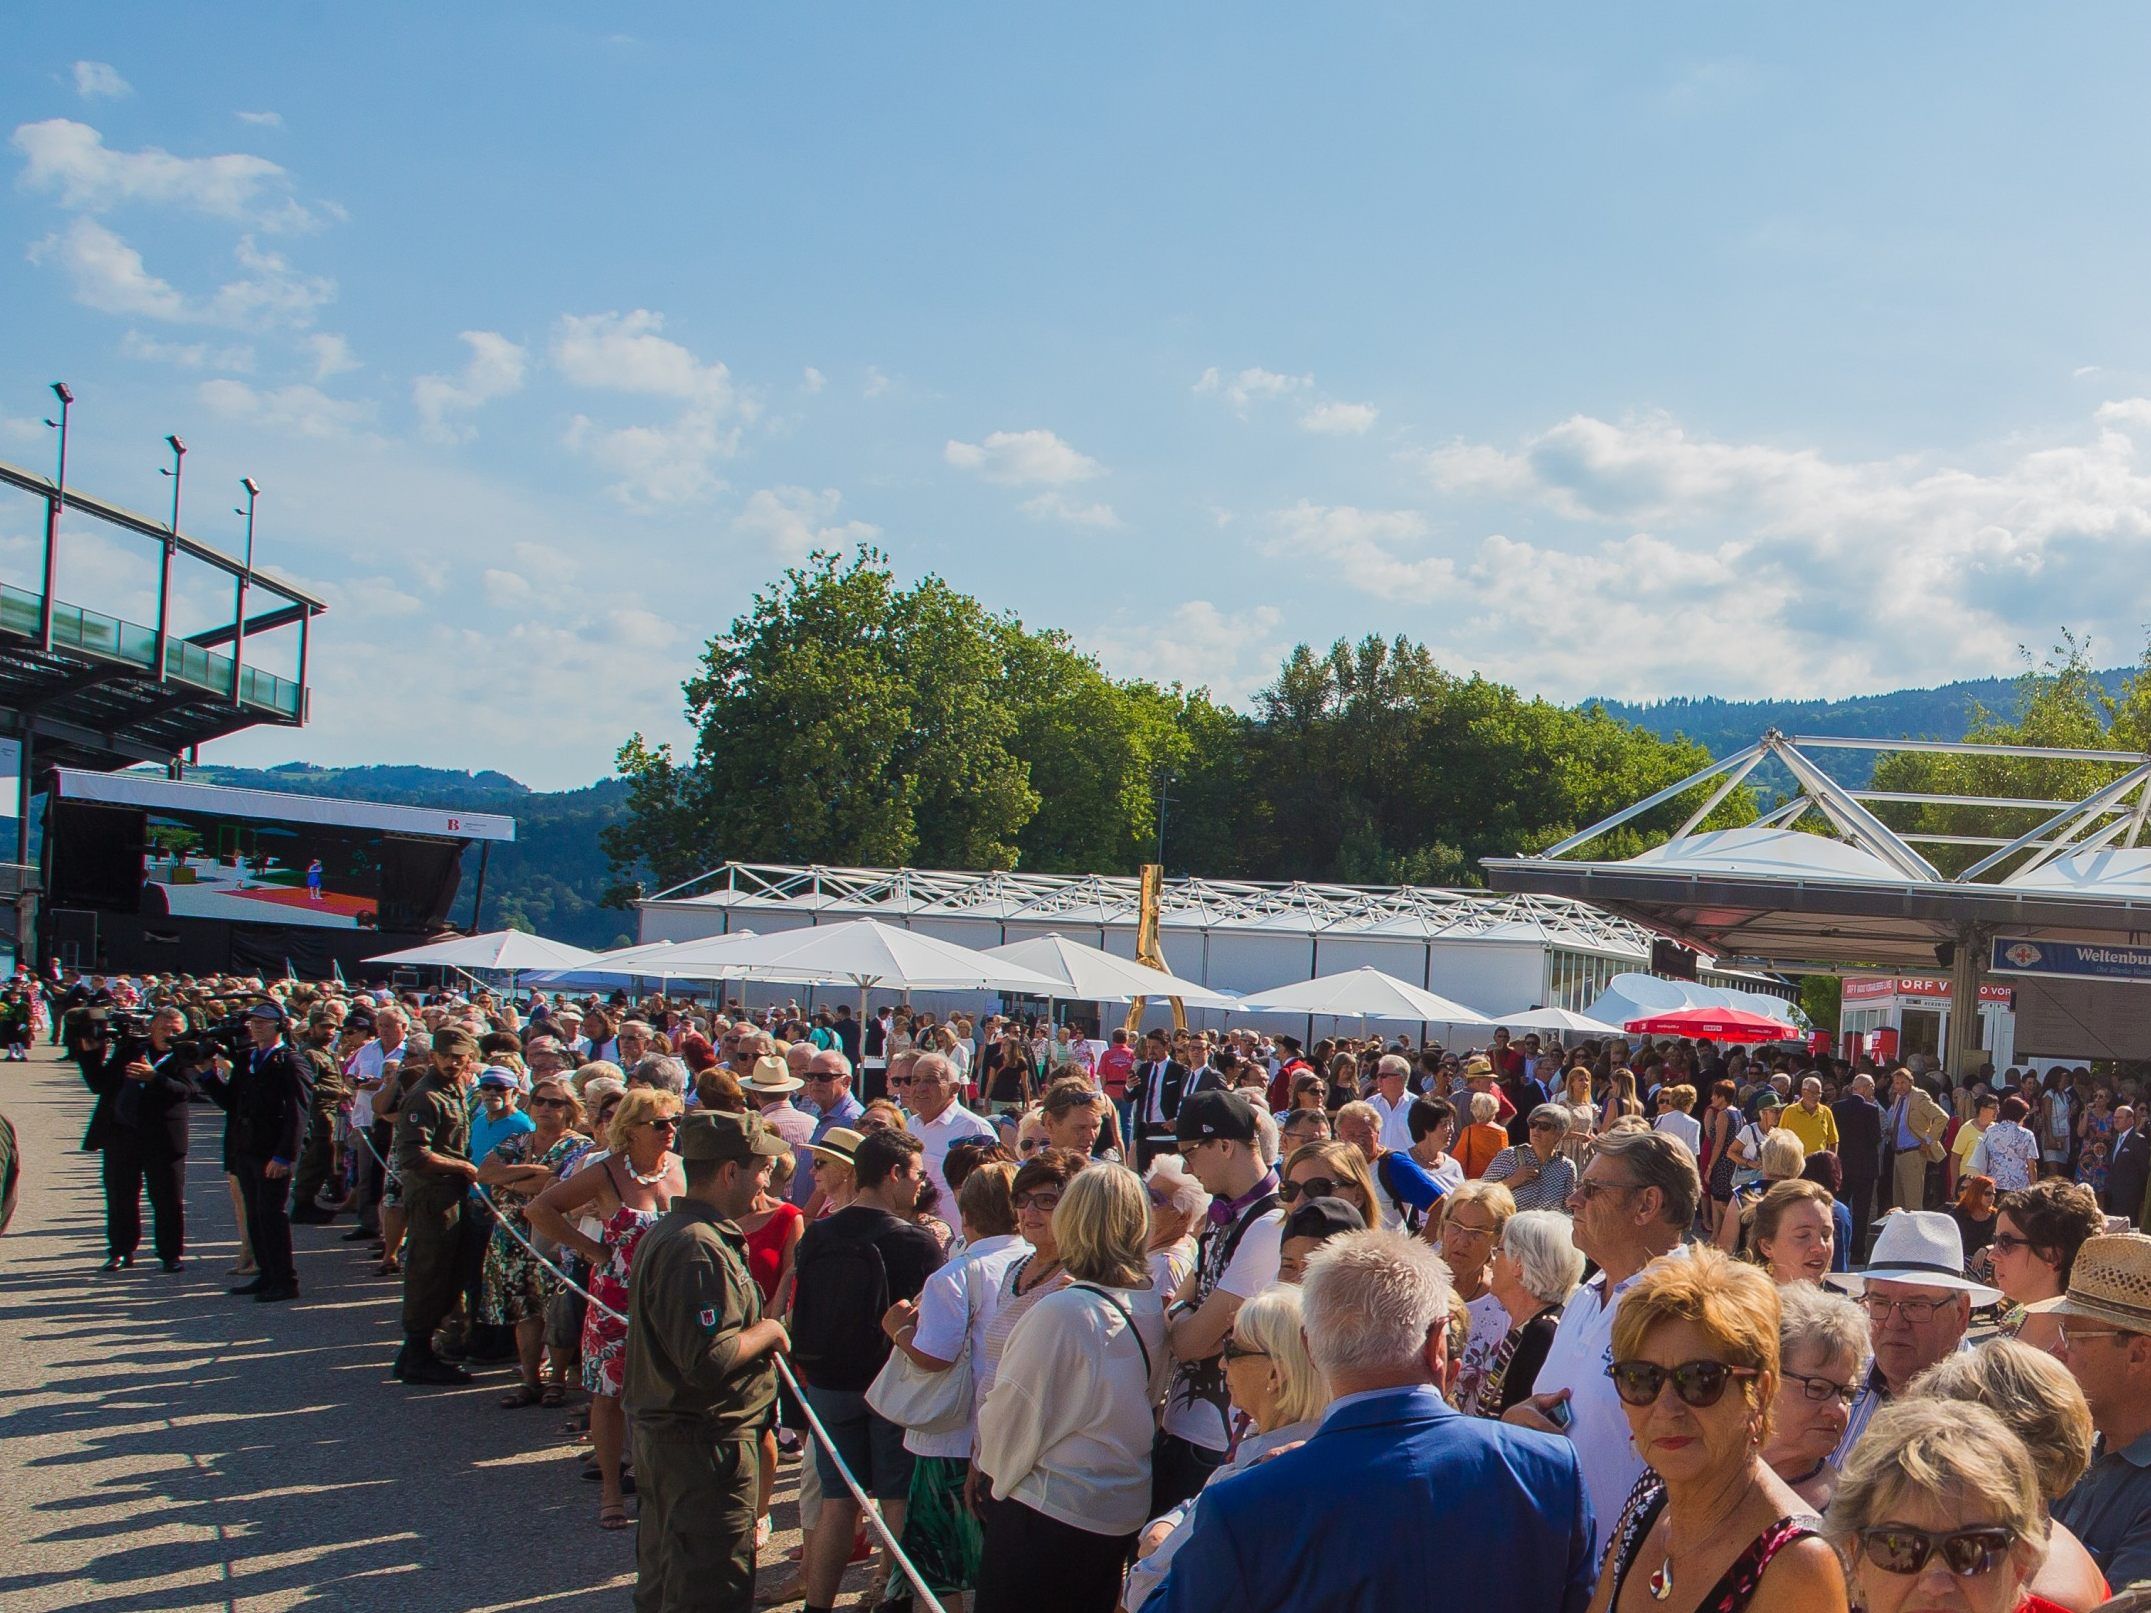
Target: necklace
655,1176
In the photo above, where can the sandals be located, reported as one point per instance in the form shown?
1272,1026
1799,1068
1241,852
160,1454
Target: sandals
613,1516
553,1394
390,1267
523,1394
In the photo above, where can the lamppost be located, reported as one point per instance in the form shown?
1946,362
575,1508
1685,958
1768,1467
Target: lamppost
253,492
1165,780
52,517
171,548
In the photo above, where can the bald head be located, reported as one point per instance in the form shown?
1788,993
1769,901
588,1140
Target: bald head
797,1057
828,1064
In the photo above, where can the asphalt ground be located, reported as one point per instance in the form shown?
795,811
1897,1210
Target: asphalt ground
166,1446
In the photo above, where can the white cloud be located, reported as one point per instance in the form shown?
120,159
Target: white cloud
186,355
1059,507
1230,652
107,274
332,355
876,383
668,463
261,120
812,380
71,160
626,353
304,410
494,370
269,291
1019,457
100,81
1250,386
795,521
658,465
1339,419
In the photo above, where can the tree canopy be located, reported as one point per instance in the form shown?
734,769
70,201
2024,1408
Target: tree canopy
847,718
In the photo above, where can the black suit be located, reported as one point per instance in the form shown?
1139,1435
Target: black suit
141,1129
1154,1135
1859,1155
265,1101
2128,1174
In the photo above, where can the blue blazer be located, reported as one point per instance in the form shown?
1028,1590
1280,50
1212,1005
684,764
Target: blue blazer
1398,1502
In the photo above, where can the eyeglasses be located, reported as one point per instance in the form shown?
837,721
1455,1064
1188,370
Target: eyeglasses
664,1123
1242,1352
1466,1229
1919,1312
1822,1388
1043,1199
2071,1338
1163,1201
548,1103
899,1080
1698,1383
1587,1189
1313,1187
1028,1145
2008,1242
1900,1549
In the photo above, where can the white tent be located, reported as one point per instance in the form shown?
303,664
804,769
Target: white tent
507,950
651,960
1361,994
1557,1019
1088,974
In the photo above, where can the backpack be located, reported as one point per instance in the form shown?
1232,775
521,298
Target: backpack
841,1293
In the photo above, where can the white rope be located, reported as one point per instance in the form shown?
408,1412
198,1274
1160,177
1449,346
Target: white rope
866,1503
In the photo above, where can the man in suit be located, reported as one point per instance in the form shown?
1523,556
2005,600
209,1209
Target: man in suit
1913,1133
1297,1531
1154,1091
2128,1166
265,1097
1859,1155
140,1126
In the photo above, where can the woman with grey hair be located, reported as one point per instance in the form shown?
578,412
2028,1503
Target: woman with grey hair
1178,1206
1822,1339
1536,1266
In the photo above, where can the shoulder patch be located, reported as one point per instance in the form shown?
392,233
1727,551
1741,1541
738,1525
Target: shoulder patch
707,1316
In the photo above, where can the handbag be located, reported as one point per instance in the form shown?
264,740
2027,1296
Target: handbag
927,1402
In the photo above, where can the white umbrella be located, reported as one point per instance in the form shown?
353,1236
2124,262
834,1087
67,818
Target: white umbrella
511,950
1361,994
1088,974
648,960
1558,1019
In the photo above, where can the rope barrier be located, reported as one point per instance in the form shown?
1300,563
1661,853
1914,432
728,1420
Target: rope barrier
868,1508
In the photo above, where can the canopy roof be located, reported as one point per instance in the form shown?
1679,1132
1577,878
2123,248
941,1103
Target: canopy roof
497,949
1361,994
865,952
1093,975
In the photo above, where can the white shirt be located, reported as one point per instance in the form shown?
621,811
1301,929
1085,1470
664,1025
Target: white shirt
954,1308
1686,1127
942,1133
1577,1359
1194,1411
366,1068
1396,1123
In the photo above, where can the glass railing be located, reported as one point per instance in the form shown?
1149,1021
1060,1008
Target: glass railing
115,640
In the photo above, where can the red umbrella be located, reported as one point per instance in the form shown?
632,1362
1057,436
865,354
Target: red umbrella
1717,1024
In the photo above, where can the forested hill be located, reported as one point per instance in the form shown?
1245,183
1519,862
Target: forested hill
552,879
1944,712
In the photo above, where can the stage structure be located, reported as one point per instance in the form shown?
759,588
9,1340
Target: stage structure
82,686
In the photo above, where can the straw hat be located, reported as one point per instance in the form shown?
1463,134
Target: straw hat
1924,1247
839,1143
771,1077
2110,1282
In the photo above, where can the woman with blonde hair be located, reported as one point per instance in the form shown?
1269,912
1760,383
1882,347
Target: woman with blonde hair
2039,1401
1064,1435
1484,1138
1780,1157
1939,1508
1620,1101
1276,1387
1472,1220
1330,1170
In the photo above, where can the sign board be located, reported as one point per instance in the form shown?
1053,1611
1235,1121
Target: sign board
1870,988
2070,960
2083,1019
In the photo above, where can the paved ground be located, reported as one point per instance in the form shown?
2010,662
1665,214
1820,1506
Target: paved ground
164,1446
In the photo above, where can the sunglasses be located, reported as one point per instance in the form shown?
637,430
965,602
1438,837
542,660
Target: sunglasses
1043,1199
1314,1187
1698,1383
1242,1352
668,1123
1900,1549
548,1103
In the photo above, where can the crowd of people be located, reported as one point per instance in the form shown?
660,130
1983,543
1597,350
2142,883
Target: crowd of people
1195,1320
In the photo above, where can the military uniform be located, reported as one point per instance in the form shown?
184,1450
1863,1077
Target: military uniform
330,1093
434,1119
695,1409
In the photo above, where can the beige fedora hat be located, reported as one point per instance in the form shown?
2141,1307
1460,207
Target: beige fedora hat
2110,1282
771,1077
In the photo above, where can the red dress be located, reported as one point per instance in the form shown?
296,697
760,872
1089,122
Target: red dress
765,1248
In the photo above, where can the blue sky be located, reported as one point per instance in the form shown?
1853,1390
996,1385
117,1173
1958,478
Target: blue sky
1660,351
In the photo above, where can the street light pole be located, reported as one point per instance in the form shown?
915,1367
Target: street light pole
1165,781
253,492
52,518
171,548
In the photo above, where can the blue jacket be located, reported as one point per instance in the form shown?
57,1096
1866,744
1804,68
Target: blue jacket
1370,1514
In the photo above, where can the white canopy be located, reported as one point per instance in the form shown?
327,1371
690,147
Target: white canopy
651,960
1361,994
1558,1019
1088,974
1641,996
497,949
866,952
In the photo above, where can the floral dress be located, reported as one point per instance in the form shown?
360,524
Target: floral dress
604,1336
2098,1147
516,1285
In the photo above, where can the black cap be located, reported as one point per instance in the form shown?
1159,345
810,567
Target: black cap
1322,1218
1215,1116
270,1010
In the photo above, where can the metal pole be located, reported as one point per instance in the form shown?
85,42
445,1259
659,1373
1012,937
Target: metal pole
52,519
306,622
171,548
253,491
485,850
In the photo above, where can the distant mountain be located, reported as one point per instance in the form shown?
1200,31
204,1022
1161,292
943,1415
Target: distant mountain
1724,726
550,880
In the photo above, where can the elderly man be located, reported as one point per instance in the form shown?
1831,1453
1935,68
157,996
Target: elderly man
1918,1303
2105,1320
1808,1120
2128,1166
1634,1202
1391,1100
828,1088
938,1121
769,1087
1913,1130
1859,1155
1297,1531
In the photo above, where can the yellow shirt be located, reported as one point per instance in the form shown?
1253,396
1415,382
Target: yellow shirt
1816,1131
1968,1136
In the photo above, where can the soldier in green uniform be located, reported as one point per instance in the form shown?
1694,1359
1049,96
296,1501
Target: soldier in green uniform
324,1056
433,1144
700,1379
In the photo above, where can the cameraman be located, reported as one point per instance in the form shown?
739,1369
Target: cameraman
265,1101
140,1126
